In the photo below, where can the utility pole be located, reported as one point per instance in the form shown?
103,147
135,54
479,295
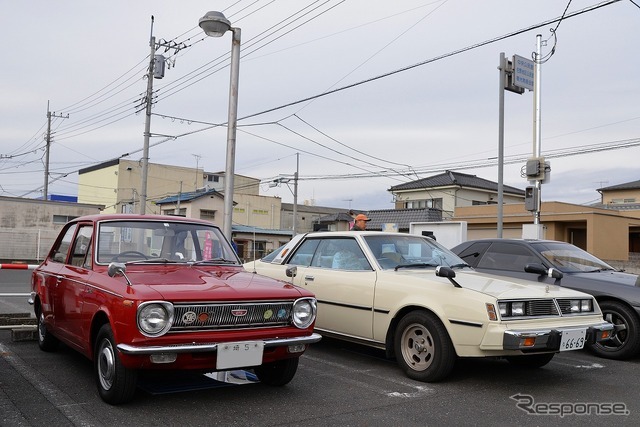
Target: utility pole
147,123
537,126
45,191
295,195
177,211
156,70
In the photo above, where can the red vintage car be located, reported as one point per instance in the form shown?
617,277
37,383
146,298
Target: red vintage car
137,292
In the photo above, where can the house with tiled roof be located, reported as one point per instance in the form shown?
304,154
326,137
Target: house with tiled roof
204,204
450,189
622,197
380,220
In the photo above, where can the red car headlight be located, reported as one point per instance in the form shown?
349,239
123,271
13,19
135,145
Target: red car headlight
155,318
304,312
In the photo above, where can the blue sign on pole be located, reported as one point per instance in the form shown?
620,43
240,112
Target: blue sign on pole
523,72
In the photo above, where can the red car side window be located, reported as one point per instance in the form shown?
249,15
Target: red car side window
59,253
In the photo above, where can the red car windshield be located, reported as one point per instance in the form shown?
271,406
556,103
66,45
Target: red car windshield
140,241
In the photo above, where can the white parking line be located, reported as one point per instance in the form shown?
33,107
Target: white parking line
60,400
418,389
575,362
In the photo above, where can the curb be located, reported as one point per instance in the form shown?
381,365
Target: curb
22,326
24,334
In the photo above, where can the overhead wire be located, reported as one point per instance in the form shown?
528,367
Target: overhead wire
411,66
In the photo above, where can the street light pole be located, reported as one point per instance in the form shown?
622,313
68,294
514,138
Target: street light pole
215,24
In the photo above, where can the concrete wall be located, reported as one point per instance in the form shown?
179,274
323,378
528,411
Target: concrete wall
28,227
447,233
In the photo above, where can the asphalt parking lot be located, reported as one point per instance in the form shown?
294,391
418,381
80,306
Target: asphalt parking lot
336,384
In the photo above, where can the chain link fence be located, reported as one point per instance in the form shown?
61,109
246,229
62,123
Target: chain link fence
25,245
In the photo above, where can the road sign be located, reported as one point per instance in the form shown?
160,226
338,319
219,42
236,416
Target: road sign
524,70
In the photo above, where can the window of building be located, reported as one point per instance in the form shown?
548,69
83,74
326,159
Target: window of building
213,178
207,214
259,249
618,201
181,212
421,204
62,219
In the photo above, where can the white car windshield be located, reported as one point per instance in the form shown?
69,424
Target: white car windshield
405,250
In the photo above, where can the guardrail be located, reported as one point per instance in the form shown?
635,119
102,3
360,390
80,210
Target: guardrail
18,266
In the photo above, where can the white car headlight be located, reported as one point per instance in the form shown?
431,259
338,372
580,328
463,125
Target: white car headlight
155,318
517,308
509,309
304,312
581,306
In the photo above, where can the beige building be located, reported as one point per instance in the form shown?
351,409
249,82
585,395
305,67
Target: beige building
626,196
117,185
249,210
608,234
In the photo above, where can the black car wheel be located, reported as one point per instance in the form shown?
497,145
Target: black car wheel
116,384
46,341
423,347
626,341
277,373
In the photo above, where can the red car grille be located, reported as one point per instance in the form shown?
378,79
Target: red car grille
231,315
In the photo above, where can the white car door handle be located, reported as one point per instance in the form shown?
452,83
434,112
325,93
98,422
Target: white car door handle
309,278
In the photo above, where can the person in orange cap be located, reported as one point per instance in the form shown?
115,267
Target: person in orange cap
360,222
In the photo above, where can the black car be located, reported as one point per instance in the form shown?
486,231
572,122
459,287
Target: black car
561,263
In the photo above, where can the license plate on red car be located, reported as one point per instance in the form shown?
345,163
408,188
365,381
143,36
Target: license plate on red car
573,339
239,354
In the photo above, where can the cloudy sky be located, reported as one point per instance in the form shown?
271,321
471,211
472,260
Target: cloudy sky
370,93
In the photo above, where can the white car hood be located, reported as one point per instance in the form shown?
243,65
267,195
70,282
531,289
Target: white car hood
501,287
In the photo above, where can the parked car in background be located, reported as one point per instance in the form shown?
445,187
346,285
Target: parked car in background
617,293
137,292
415,299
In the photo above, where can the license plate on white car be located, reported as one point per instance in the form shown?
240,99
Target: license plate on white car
573,339
239,354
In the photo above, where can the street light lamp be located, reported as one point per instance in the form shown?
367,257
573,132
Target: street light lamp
215,24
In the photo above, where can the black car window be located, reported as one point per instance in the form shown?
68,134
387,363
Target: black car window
507,256
472,254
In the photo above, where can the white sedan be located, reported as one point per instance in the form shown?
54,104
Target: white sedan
424,305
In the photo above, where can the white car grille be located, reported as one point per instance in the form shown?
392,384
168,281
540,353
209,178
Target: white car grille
551,307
